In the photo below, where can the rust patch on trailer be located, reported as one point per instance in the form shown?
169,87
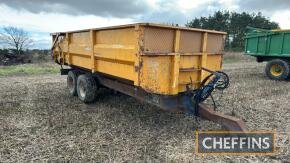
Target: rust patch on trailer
138,68
155,74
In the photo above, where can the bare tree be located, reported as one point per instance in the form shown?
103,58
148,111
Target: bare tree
15,38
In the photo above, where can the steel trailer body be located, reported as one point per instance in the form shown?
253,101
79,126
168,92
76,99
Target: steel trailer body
272,46
268,43
155,63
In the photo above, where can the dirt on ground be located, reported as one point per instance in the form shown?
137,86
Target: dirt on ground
40,121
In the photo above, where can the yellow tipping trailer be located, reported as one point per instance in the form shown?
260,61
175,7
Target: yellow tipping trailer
160,64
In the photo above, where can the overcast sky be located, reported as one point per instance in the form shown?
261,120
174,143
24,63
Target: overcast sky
40,17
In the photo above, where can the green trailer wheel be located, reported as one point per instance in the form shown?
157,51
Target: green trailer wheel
277,69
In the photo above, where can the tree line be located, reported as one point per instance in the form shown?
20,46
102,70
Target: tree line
17,46
17,40
234,24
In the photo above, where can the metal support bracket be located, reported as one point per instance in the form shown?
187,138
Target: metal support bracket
229,122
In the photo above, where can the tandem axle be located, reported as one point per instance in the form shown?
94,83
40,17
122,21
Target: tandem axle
190,102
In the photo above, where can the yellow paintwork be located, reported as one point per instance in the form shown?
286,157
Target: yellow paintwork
276,70
204,55
122,51
280,30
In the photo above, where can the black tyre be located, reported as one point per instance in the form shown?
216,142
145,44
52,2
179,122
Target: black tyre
277,69
72,82
86,88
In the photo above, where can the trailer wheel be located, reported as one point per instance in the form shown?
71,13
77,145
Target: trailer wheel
86,88
72,82
277,69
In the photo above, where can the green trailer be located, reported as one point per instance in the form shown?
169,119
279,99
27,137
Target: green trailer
272,46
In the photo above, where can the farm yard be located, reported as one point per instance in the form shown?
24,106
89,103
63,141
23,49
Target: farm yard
40,121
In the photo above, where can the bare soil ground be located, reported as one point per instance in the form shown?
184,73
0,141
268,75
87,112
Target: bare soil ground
40,121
